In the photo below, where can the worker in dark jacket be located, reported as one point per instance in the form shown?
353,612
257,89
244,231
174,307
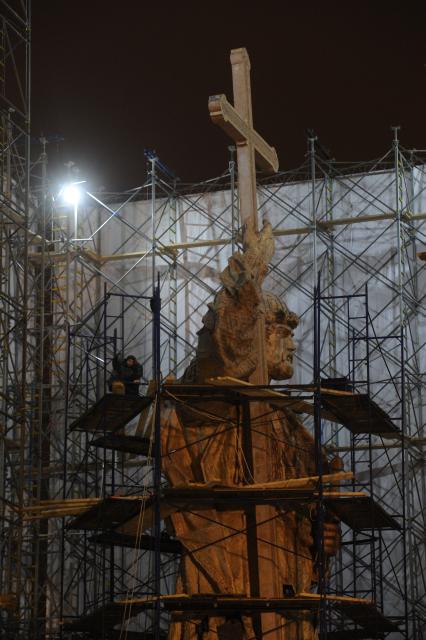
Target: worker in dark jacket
128,372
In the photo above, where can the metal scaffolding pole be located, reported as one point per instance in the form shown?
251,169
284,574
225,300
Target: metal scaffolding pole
16,359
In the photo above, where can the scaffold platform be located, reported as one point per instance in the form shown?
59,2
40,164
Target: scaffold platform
103,619
143,542
234,391
108,513
362,612
117,634
114,511
355,634
367,616
111,412
357,412
360,414
361,512
126,444
357,511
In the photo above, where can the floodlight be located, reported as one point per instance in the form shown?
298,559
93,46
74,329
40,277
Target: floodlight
71,194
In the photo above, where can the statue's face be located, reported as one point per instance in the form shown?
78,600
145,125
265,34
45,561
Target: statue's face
279,351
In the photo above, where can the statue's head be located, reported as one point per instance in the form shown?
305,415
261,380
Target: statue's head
229,352
279,326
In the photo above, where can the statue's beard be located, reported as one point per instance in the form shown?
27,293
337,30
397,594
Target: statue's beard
281,369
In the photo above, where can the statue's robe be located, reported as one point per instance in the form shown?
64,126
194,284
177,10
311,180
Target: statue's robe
204,445
215,559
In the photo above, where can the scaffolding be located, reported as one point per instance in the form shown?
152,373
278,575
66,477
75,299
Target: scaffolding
400,459
18,354
372,530
191,242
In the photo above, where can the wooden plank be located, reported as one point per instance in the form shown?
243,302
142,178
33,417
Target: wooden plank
58,508
225,602
111,512
250,389
238,497
44,504
308,482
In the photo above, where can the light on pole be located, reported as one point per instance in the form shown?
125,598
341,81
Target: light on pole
71,195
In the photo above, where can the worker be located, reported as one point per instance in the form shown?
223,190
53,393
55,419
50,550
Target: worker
125,376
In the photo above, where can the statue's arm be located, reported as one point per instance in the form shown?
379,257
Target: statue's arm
331,527
246,271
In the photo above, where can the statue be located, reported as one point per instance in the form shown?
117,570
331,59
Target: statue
203,444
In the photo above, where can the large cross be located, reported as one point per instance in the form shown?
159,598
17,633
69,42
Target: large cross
237,122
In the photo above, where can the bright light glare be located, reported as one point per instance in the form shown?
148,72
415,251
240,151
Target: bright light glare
71,194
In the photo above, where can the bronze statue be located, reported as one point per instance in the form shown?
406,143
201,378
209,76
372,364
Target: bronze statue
203,444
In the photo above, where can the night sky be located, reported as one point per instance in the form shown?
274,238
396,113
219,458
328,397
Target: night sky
112,78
